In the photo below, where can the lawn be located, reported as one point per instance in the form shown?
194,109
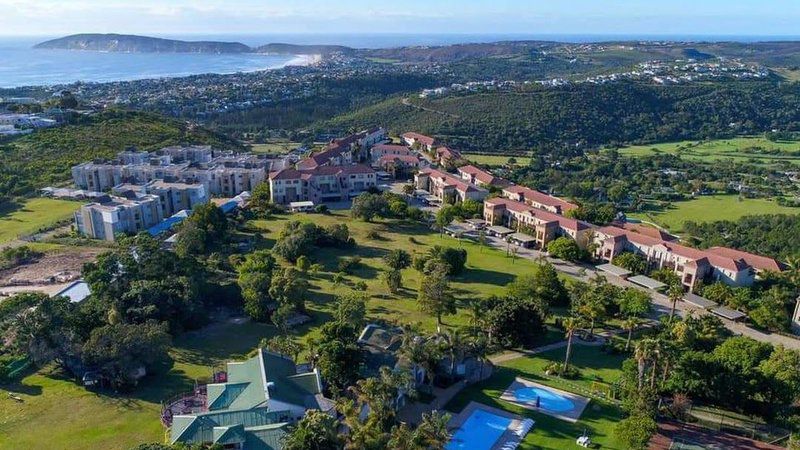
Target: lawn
709,209
598,418
496,160
75,418
488,270
32,215
275,147
754,149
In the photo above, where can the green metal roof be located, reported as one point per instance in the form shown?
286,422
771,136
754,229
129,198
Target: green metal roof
229,435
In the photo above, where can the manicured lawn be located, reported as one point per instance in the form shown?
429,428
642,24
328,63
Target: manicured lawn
496,160
488,270
711,208
57,413
755,149
598,419
32,215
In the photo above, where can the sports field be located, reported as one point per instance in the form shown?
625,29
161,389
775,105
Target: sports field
30,216
753,149
710,209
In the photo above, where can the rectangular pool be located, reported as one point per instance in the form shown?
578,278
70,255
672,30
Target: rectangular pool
480,431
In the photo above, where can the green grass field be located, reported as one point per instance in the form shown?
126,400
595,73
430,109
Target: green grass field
78,419
33,215
496,160
709,209
756,150
277,147
598,418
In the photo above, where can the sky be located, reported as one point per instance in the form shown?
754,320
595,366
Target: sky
536,17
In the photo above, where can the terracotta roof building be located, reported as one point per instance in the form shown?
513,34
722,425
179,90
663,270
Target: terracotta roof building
538,199
544,226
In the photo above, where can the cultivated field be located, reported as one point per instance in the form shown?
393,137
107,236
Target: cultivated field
756,150
709,209
32,215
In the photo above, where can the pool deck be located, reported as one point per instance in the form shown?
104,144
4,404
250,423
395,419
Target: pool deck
573,415
508,440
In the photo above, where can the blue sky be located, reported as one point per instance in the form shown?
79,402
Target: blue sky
614,17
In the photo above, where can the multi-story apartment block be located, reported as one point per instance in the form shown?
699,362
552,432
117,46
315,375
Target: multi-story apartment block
480,177
448,188
346,150
97,176
692,265
320,184
444,155
411,139
110,216
544,226
173,196
538,199
191,153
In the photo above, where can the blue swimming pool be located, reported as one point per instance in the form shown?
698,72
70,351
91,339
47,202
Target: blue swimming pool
480,431
549,400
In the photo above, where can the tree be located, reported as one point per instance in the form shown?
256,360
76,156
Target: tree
564,248
771,310
351,309
435,295
120,350
367,206
317,430
303,264
782,375
283,345
409,189
261,200
255,279
675,294
511,322
635,431
394,280
630,261
542,285
288,287
397,259
633,304
454,258
571,325
591,307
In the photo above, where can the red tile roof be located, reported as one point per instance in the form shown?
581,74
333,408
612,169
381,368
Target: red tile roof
450,180
546,216
757,261
646,230
393,148
482,175
421,138
540,197
408,159
698,256
447,153
294,174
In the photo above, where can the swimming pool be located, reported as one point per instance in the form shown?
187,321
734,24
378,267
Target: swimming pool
480,431
548,400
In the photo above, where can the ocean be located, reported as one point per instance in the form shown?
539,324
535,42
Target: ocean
21,65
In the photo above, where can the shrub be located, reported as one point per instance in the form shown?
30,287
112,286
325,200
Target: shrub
630,261
557,369
349,265
321,209
564,248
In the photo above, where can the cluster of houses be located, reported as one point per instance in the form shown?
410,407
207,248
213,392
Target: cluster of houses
531,218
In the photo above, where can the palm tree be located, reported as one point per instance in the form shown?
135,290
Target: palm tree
630,324
432,432
454,346
675,293
571,325
479,348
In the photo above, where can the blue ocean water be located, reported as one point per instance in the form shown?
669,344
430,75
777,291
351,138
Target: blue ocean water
21,65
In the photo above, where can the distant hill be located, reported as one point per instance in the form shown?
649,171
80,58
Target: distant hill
139,44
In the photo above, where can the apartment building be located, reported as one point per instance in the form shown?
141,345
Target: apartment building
173,196
346,150
112,215
544,226
97,176
444,155
320,184
480,177
411,139
448,188
538,199
692,265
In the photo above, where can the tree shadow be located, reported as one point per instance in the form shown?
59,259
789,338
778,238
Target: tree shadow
473,275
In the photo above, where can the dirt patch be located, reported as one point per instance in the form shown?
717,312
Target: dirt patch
52,268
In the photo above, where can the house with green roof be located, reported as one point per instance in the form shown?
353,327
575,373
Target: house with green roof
252,409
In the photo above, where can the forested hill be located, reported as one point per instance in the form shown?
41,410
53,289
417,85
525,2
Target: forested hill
45,157
582,116
139,44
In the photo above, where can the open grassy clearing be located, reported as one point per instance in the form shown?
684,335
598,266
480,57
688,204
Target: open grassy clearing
753,149
276,147
496,160
32,215
598,419
709,209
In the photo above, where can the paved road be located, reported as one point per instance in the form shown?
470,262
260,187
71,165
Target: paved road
661,303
